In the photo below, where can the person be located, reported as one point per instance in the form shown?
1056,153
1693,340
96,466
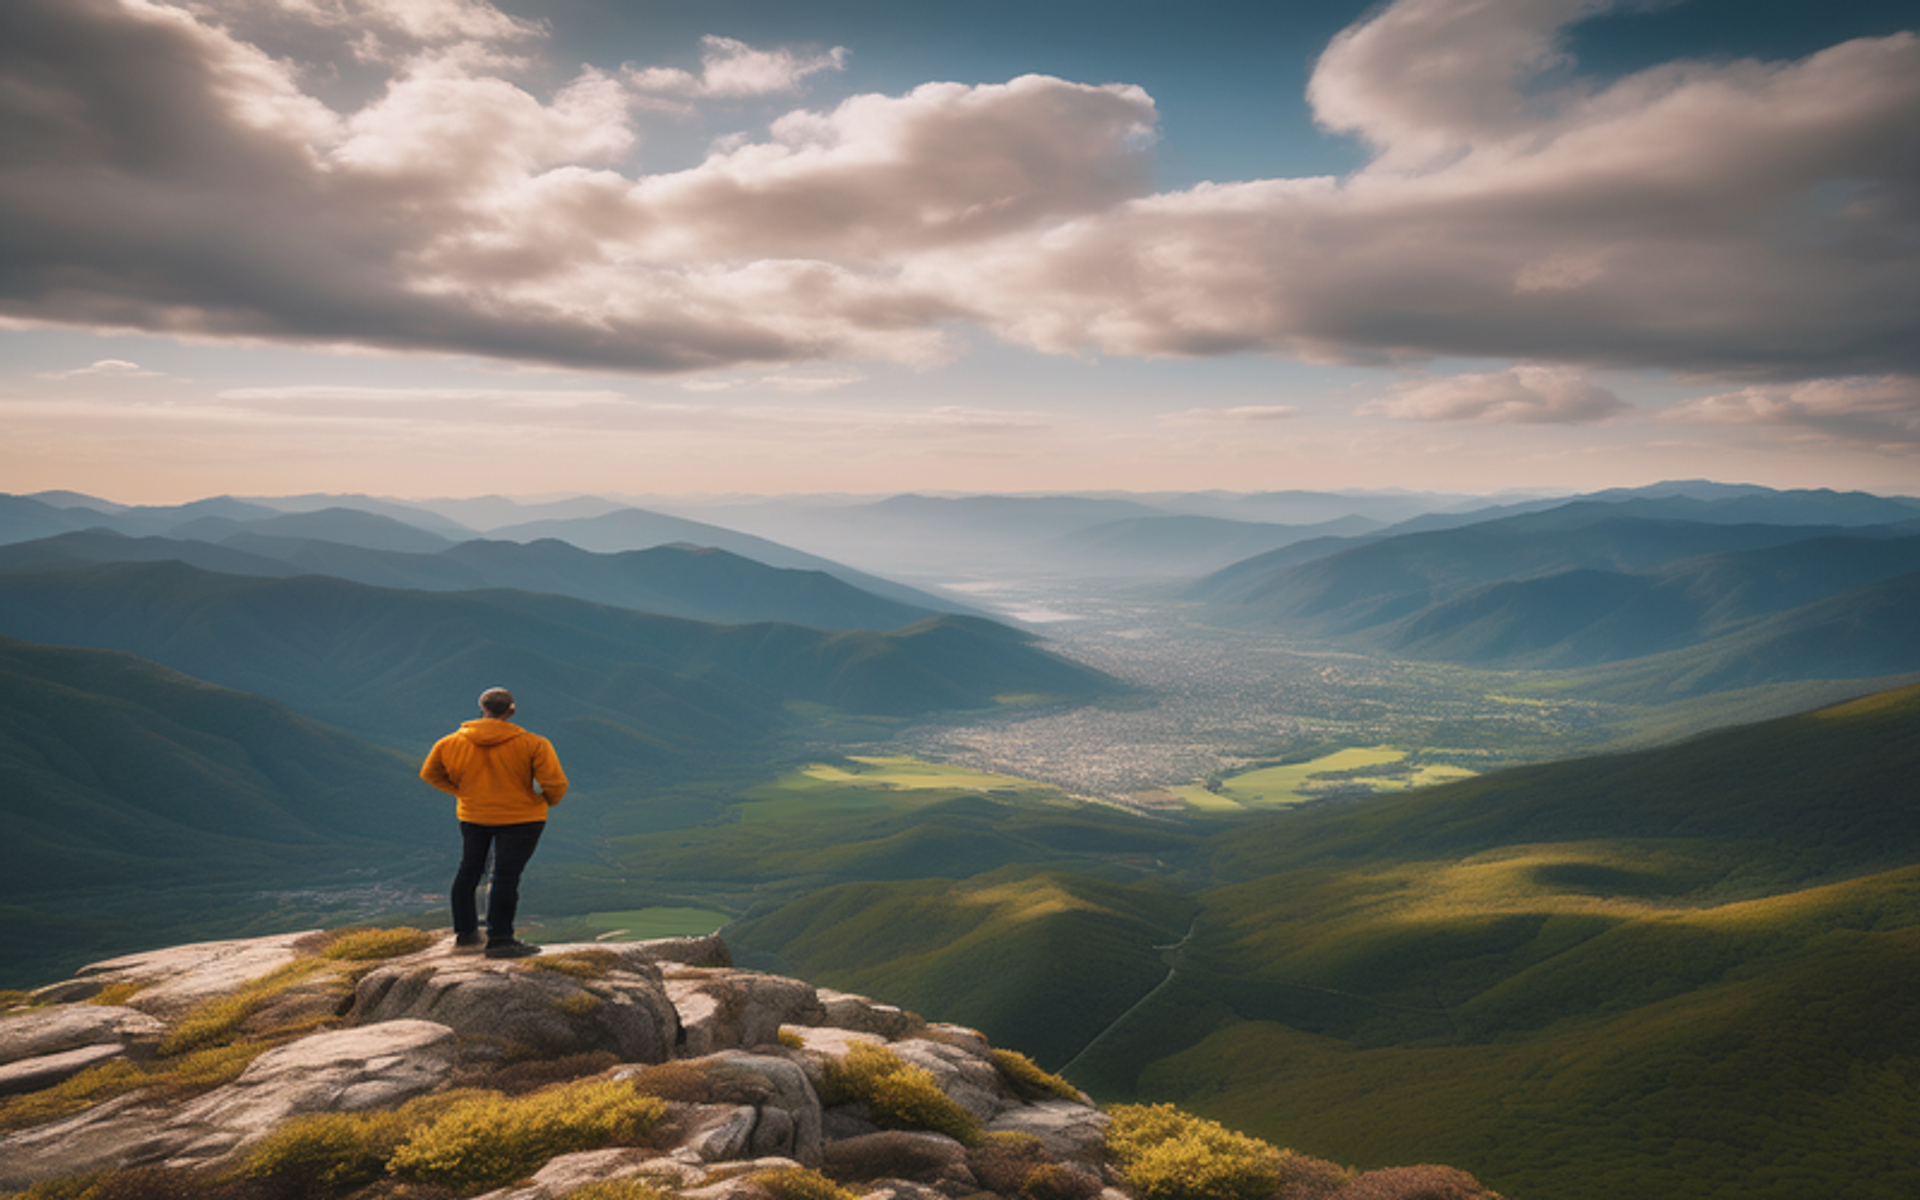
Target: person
505,779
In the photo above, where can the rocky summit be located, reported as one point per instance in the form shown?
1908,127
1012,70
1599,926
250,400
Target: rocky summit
382,1064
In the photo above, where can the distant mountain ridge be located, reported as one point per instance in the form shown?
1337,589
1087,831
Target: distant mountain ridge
682,581
1590,583
385,662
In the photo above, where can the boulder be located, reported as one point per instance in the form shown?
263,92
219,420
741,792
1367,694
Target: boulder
568,1172
844,1010
341,1070
931,1158
820,1044
789,1124
717,1133
344,1070
969,1078
32,1074
901,1189
735,1181
614,1002
179,978
1069,1130
65,1027
122,1132
725,1010
708,951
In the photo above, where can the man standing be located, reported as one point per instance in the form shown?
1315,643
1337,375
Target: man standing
505,779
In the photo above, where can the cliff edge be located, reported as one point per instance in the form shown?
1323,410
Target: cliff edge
381,1065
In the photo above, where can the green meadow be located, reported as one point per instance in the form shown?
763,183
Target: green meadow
1351,769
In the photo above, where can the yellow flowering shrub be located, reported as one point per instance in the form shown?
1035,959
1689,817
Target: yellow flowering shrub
1029,1080
898,1095
489,1140
1166,1154
799,1183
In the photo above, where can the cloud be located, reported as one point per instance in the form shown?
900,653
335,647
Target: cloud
300,395
1516,396
1882,412
1738,218
730,68
118,368
1238,415
175,169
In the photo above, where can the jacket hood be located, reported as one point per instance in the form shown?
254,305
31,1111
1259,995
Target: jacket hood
488,731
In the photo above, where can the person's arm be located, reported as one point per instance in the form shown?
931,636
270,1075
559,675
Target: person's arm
547,773
434,771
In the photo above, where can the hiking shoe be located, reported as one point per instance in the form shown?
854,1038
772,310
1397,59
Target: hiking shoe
469,943
511,948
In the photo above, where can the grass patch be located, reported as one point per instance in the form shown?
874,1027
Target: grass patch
491,1140
798,1183
118,993
188,1075
372,945
90,1087
220,1019
620,1189
1167,1154
898,1095
1295,783
578,964
1029,1080
878,784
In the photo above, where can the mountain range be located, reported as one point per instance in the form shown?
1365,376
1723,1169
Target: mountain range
684,581
638,688
1700,605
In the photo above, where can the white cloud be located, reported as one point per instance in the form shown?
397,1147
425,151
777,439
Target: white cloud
174,169
1883,412
299,395
1517,396
1237,415
118,368
732,69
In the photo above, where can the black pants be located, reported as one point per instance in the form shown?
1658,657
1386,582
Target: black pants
512,846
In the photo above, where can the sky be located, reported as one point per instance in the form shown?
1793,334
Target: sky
425,248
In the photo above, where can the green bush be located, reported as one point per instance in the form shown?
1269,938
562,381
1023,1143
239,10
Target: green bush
898,1095
369,945
327,1154
1029,1080
490,1140
1166,1154
798,1183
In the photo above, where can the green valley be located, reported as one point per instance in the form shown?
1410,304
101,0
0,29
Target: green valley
1688,971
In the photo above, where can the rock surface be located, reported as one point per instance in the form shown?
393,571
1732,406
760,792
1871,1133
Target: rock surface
611,1000
72,1026
739,1057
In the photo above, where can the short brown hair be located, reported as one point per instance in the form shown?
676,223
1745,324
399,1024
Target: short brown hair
496,702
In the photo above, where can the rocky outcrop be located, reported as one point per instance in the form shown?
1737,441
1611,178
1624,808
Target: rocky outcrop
212,1048
574,1000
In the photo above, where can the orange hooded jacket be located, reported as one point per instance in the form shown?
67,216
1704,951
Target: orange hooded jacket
490,766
